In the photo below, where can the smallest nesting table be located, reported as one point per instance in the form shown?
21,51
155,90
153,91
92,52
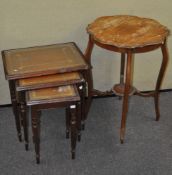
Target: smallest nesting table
47,98
129,35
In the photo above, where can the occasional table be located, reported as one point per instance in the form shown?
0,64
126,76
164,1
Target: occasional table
129,35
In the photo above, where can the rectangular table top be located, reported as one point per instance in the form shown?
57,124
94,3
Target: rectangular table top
55,94
42,60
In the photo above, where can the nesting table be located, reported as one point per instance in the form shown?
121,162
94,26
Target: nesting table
38,61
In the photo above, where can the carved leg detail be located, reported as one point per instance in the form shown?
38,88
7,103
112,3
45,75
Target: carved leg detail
126,95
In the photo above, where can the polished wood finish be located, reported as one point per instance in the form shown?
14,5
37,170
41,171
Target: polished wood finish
15,108
49,81
124,31
43,60
24,117
129,35
119,89
126,95
38,61
122,68
88,75
56,94
63,96
160,78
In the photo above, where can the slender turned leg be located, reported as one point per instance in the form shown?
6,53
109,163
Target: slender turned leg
24,118
88,74
78,119
122,70
15,108
73,125
68,116
83,117
36,132
126,95
82,93
160,78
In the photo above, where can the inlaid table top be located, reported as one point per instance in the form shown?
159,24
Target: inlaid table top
50,78
127,31
62,93
46,81
43,60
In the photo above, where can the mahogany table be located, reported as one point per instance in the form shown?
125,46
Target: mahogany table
42,60
129,35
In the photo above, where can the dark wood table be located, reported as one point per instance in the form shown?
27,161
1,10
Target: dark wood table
42,60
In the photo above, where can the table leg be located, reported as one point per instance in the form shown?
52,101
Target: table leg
160,78
36,132
122,69
24,117
126,96
15,108
73,124
68,116
88,75
78,119
83,113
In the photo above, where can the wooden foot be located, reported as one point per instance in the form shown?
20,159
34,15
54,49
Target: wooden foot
20,137
26,146
37,160
83,126
73,155
67,134
122,141
79,137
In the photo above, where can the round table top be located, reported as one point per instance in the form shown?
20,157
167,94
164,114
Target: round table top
127,31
